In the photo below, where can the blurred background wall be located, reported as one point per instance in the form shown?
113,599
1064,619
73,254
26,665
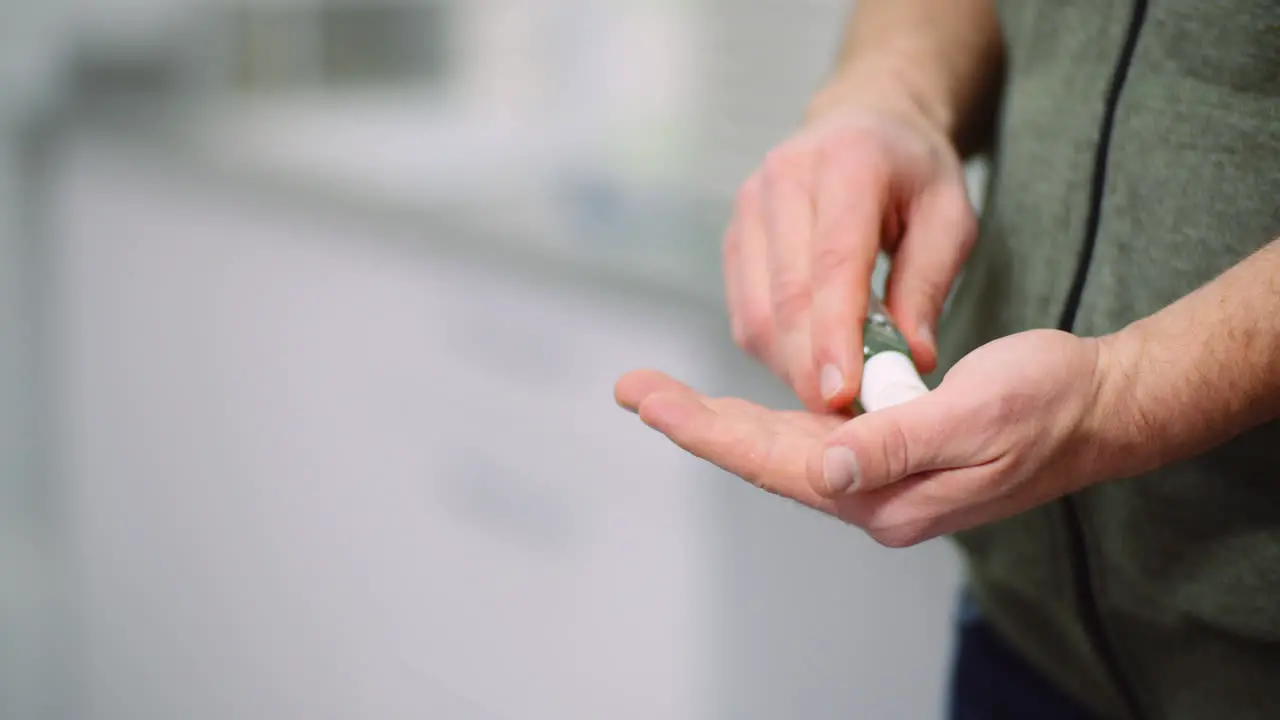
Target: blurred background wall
311,311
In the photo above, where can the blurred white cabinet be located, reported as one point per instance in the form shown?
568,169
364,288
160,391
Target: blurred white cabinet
317,474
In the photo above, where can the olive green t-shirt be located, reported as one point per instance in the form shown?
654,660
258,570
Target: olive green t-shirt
1137,157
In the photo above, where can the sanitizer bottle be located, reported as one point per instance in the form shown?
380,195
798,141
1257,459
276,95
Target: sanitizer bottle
889,375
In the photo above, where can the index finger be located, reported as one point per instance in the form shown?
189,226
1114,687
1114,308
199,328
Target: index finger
852,191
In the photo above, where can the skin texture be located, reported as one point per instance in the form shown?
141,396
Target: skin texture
1016,423
1007,429
877,166
1199,372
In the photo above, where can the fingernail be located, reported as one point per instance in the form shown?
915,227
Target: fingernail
840,470
831,382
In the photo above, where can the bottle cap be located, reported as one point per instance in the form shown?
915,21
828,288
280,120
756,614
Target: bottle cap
889,378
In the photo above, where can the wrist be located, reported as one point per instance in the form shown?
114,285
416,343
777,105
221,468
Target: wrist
1119,427
882,87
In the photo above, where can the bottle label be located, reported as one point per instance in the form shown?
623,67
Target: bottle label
889,378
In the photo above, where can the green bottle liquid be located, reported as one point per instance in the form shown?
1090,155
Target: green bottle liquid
889,375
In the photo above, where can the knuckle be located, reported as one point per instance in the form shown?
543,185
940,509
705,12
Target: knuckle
897,452
785,163
791,300
877,168
925,290
831,259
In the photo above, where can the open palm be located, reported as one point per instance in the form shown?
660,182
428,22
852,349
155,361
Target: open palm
1010,427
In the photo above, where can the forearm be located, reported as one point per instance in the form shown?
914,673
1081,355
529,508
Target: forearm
1195,374
945,57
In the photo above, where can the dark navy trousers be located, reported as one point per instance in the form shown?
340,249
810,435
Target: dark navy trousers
991,682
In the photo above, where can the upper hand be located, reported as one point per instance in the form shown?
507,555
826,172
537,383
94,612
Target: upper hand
1015,424
807,227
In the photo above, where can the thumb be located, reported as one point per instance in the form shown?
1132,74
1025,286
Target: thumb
941,230
882,447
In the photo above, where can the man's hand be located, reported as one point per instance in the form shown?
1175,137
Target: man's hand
1015,424
877,166
873,171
